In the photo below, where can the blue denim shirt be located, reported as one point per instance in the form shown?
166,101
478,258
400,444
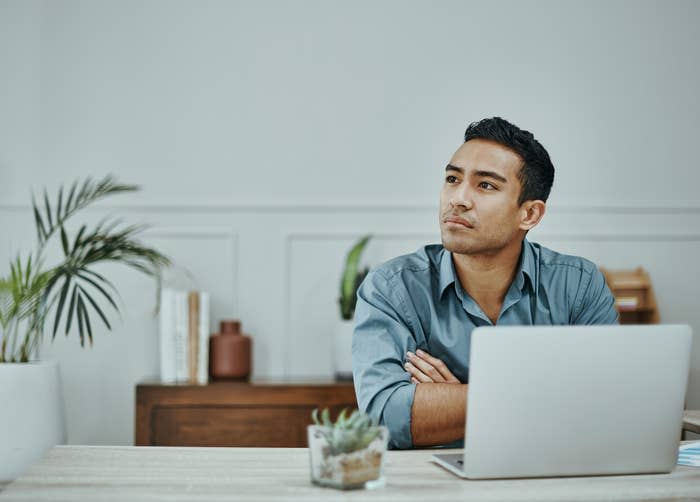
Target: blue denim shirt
415,302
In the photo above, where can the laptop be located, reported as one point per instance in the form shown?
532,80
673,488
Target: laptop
547,401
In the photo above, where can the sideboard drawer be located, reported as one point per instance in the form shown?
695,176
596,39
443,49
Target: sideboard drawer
230,425
233,414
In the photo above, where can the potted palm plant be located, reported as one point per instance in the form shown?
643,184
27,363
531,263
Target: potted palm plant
352,277
67,295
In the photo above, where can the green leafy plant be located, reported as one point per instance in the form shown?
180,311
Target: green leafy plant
352,278
69,289
348,433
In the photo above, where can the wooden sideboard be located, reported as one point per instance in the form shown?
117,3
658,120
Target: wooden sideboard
233,413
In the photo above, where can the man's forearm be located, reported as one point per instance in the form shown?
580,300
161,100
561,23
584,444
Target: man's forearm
438,412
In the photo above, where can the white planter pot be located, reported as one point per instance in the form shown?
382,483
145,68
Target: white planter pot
32,417
342,349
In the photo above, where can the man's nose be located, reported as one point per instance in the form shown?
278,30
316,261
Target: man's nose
462,198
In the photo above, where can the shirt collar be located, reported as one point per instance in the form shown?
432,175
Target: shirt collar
447,271
526,268
528,264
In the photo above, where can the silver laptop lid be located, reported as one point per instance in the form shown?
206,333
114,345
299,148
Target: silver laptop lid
575,400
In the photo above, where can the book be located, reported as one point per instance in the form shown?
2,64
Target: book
166,323
184,336
627,302
181,337
203,353
192,335
689,454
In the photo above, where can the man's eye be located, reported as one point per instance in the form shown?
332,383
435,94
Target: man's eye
451,179
486,185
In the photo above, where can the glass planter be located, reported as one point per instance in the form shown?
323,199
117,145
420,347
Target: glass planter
346,471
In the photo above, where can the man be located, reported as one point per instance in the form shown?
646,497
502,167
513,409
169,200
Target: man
415,313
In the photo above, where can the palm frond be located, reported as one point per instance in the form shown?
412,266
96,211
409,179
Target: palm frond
96,307
47,207
72,288
101,278
61,301
89,192
20,293
107,296
39,222
84,319
71,308
21,305
104,243
5,301
80,322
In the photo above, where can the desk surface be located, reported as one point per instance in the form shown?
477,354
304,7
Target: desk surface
80,473
691,420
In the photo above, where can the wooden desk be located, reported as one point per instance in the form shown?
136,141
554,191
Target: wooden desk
691,421
108,473
272,414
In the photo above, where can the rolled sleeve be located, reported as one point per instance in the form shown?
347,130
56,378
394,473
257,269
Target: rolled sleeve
381,338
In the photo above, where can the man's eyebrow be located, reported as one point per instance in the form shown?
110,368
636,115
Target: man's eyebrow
481,174
491,174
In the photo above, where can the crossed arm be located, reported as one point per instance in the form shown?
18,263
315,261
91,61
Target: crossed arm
382,334
440,401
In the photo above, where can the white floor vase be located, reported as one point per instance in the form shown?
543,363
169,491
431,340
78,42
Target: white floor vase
32,417
342,348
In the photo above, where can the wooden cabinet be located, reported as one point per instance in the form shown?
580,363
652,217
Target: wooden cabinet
634,295
233,413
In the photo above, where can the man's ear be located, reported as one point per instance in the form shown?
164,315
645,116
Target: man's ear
531,212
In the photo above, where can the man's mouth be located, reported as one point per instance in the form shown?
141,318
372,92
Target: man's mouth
458,221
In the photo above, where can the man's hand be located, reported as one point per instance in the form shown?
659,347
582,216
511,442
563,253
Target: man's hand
425,368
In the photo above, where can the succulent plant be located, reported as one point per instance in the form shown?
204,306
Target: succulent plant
349,433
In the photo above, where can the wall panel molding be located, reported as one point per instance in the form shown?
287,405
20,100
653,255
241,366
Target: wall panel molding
294,236
619,237
632,207
229,235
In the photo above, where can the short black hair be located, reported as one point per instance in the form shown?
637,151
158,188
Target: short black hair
537,173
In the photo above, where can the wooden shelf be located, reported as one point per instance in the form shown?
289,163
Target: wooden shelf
634,295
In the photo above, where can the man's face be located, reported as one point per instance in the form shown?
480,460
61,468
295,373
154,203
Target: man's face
479,211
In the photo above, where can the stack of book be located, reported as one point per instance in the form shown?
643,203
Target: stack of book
184,336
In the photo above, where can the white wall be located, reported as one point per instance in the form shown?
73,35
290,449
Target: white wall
267,136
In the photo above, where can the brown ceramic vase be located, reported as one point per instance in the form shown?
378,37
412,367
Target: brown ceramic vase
230,352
